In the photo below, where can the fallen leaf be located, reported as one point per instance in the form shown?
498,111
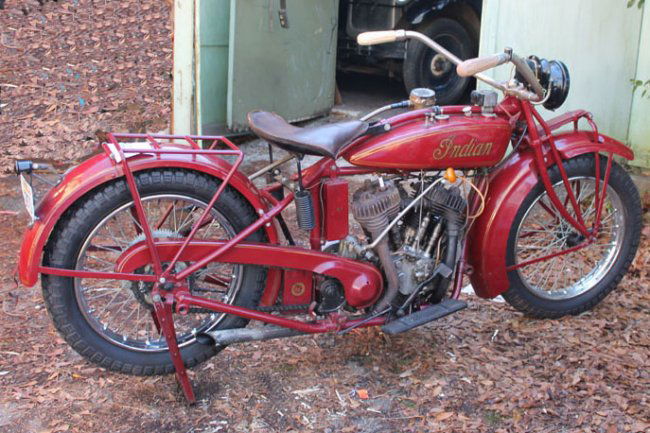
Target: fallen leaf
444,415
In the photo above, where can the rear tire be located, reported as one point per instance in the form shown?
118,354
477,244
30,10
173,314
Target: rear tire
557,287
443,79
76,230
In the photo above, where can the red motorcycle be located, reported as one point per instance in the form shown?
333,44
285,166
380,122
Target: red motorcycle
155,254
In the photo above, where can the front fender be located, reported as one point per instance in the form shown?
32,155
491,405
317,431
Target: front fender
509,185
100,169
575,143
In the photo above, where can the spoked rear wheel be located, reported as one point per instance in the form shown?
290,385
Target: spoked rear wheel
110,321
577,281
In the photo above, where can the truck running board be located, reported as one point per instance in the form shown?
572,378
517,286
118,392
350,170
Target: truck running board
419,318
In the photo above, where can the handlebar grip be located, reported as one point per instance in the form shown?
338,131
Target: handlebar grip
472,67
381,37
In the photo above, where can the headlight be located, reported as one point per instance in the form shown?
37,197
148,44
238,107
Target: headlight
554,76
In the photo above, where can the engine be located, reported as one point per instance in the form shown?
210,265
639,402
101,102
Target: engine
418,251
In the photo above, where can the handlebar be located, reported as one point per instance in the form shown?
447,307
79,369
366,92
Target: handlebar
528,75
470,67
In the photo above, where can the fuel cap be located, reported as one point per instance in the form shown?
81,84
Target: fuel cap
422,97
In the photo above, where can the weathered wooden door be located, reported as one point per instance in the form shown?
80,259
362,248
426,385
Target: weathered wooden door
290,71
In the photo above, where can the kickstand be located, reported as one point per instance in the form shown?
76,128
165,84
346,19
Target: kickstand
163,312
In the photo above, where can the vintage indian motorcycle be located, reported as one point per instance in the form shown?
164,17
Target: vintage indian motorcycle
155,254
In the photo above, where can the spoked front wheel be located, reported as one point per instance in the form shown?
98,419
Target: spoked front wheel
574,282
110,322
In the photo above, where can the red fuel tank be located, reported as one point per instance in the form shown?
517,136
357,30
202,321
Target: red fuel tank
457,141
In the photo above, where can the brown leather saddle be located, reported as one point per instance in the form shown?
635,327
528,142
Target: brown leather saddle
325,140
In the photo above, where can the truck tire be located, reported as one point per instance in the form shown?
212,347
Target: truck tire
423,67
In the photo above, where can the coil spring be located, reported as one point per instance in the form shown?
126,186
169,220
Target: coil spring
304,210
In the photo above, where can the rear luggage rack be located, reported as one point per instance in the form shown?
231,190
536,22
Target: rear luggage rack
121,146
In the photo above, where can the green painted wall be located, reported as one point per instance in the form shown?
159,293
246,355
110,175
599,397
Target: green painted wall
183,119
640,122
600,42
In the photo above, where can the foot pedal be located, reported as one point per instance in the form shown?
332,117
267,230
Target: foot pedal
419,318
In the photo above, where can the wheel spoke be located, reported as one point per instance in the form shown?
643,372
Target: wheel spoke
540,234
132,214
120,313
186,220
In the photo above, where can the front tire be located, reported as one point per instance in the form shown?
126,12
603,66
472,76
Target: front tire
575,282
108,321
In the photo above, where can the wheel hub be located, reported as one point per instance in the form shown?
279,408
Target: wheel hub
142,290
440,65
573,239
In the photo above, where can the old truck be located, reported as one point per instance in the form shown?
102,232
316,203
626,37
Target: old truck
455,24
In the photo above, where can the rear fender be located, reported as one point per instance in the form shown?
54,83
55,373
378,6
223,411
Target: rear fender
99,170
509,186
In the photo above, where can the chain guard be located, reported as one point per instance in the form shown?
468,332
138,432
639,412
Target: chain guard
141,290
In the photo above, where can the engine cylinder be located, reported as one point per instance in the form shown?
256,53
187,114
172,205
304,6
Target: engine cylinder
448,202
373,206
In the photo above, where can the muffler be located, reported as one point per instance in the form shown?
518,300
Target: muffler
224,337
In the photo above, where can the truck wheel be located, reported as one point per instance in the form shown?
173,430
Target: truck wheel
423,67
109,321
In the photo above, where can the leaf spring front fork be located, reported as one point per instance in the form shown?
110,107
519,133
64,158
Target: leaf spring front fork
555,159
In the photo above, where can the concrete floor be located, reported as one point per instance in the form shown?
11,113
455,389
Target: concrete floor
361,94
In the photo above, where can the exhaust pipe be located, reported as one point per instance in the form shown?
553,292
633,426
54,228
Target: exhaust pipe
224,337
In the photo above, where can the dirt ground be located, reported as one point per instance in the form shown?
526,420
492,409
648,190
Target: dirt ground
71,68
486,369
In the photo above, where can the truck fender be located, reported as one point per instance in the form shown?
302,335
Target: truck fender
508,187
419,10
467,12
99,170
